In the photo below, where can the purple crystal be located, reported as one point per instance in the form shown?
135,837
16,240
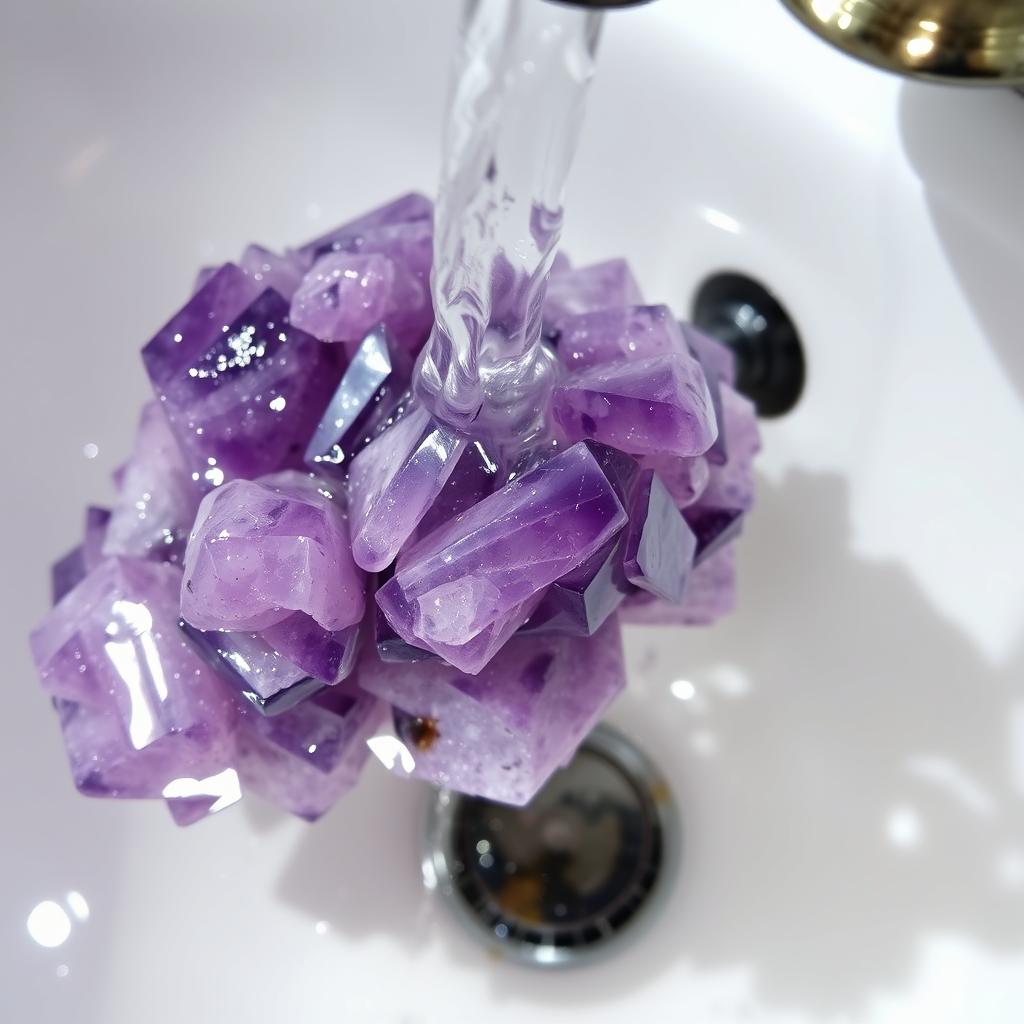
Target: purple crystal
474,477
463,588
648,407
716,517
139,707
712,355
685,478
407,209
390,646
581,601
608,285
268,270
614,335
304,759
263,676
241,386
326,655
502,733
710,594
157,497
394,481
402,233
373,383
658,547
67,572
261,550
343,296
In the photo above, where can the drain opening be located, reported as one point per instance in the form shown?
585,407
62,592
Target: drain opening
564,878
741,313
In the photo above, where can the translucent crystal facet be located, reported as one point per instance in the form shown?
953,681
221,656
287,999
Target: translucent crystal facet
262,550
501,733
472,578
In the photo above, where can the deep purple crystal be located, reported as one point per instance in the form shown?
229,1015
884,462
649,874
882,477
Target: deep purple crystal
242,388
615,335
460,590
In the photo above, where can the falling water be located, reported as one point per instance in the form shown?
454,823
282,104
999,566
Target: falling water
515,108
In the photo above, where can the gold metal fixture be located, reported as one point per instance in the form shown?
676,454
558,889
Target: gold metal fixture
960,42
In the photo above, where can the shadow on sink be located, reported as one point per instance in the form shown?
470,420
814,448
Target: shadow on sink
854,797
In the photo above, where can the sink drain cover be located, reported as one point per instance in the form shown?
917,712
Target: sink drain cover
564,878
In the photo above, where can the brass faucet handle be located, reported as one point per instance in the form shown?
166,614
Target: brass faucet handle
965,42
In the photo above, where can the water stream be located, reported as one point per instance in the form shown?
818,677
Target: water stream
516,102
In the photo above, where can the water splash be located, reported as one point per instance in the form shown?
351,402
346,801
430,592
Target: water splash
516,104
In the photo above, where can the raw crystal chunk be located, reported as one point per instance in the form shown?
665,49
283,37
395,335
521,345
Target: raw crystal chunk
716,517
139,707
402,233
608,285
716,358
614,335
408,209
501,734
373,383
710,594
343,296
390,646
658,547
157,497
304,759
263,549
394,481
581,601
242,388
268,270
648,407
685,478
475,475
263,676
471,579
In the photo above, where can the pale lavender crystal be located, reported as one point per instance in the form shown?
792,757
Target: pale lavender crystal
718,364
502,733
157,497
613,335
268,270
685,478
716,516
402,233
608,285
373,384
710,594
304,759
140,708
652,406
390,646
242,388
658,546
713,355
343,296
394,481
261,550
461,589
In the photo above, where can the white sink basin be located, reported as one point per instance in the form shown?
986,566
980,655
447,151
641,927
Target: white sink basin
849,763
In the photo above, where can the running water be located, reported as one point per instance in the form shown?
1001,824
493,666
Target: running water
516,104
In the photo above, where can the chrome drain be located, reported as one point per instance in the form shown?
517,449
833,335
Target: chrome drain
563,879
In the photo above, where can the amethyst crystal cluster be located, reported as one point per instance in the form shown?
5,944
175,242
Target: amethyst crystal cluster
300,552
